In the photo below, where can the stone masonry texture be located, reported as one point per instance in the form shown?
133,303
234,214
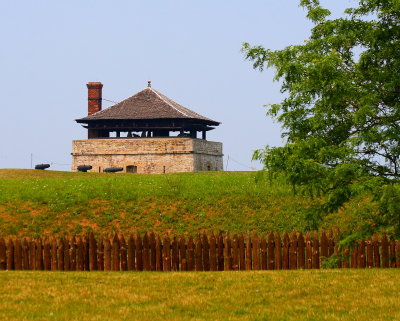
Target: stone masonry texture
149,155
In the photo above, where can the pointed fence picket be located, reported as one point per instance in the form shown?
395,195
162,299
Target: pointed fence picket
153,256
213,253
206,252
264,259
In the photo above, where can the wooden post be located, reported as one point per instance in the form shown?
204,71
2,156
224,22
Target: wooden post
46,254
227,250
271,251
220,243
278,252
398,254
300,250
213,253
264,251
100,254
182,254
385,251
54,257
190,265
340,255
61,247
175,254
167,253
361,255
242,253
124,262
392,253
107,254
86,252
324,247
72,256
248,252
159,258
308,251
206,253
293,251
370,254
25,254
92,253
198,253
115,253
81,265
10,254
316,251
17,254
256,252
331,243
146,253
66,254
139,253
131,253
346,254
32,254
152,245
3,256
377,258
285,251
235,252
354,257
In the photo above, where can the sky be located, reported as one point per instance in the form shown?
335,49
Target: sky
190,50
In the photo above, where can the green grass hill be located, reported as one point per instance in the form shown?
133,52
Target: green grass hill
34,202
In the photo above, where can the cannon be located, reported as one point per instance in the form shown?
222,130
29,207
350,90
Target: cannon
42,166
84,168
113,169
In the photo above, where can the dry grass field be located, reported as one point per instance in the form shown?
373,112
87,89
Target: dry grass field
284,295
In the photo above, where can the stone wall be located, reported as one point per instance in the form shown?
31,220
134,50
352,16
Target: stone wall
149,155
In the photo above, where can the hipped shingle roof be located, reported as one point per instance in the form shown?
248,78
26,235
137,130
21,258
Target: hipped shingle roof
147,104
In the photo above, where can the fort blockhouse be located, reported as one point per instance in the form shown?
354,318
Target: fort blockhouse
146,133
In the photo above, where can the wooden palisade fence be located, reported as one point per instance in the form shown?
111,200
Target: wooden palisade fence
221,252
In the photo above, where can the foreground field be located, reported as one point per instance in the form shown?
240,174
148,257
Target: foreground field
286,295
35,203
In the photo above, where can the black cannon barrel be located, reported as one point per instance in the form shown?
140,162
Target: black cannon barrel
42,166
113,169
84,168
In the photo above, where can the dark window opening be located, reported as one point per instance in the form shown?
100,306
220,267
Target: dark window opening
131,169
208,167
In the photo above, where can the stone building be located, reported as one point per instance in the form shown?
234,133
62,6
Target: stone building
146,133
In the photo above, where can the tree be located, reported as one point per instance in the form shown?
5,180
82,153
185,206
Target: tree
341,111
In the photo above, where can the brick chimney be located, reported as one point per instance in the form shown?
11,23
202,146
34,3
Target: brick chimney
94,97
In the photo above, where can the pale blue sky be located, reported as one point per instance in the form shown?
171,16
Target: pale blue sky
190,50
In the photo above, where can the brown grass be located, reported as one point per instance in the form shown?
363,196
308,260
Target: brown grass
283,295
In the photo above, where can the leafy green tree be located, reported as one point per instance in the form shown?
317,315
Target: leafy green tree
341,111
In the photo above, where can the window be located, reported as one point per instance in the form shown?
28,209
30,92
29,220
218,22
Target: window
131,169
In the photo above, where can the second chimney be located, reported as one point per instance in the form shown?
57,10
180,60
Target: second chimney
94,97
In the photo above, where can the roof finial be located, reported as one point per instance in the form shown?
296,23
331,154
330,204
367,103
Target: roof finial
149,83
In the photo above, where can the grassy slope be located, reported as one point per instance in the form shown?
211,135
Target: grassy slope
37,202
284,295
